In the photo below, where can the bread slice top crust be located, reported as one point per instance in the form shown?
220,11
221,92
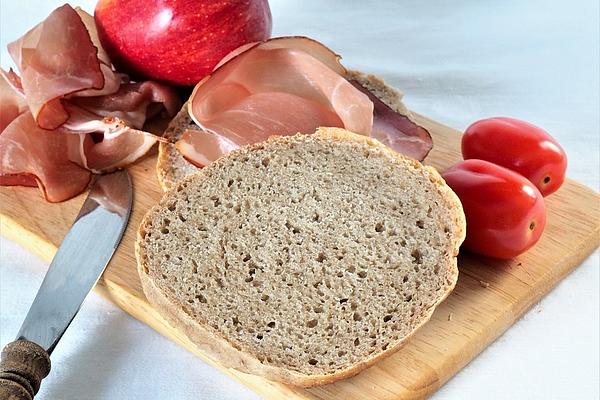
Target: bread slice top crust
172,166
304,258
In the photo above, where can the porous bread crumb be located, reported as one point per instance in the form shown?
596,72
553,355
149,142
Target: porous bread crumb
314,254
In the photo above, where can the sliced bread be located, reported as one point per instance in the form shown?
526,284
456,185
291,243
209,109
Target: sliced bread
304,258
171,166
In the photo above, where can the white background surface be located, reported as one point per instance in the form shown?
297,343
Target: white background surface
457,62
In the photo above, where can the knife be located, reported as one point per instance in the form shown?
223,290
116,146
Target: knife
78,264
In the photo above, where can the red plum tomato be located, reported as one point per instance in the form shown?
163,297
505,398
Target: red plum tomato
519,146
505,212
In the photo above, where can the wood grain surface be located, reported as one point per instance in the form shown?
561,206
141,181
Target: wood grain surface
489,297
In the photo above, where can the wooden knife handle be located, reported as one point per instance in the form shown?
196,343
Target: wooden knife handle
23,365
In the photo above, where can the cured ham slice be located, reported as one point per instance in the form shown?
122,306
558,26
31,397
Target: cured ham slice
262,120
271,113
278,70
309,46
284,86
47,77
112,79
133,103
302,43
395,130
13,82
119,145
70,114
108,192
110,154
273,88
202,147
11,98
60,162
290,72
32,156
90,26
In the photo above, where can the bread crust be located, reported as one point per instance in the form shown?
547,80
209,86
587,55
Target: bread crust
217,347
171,166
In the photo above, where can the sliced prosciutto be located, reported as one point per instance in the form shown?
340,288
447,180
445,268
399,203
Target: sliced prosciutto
279,67
108,192
59,58
32,156
272,88
132,103
203,147
12,98
69,113
119,144
56,58
396,130
284,86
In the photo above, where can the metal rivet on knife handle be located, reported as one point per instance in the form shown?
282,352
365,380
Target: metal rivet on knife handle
23,365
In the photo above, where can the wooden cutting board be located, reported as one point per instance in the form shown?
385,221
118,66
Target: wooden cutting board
489,297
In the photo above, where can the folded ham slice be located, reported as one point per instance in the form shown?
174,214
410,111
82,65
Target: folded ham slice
132,103
281,87
120,144
12,98
70,115
395,130
32,156
205,147
272,88
310,46
56,58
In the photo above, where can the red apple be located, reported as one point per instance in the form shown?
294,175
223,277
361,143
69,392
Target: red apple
177,41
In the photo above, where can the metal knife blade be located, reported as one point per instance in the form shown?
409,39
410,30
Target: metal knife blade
80,260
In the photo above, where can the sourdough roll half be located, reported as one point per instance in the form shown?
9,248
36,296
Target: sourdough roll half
304,258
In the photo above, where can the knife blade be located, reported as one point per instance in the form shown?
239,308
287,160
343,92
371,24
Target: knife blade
78,264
